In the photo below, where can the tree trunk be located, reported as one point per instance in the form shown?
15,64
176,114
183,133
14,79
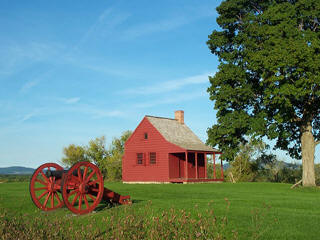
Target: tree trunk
307,150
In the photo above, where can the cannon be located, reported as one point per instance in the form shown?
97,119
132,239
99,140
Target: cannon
80,188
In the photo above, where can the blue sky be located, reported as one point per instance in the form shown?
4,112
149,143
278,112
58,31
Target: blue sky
72,71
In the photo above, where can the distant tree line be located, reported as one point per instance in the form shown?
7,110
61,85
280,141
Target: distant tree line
14,177
109,160
253,163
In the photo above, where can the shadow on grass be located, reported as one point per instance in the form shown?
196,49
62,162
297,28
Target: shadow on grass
137,201
107,205
102,206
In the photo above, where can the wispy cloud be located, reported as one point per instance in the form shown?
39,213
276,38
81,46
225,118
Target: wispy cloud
27,117
177,98
16,57
97,112
169,86
28,85
170,23
69,100
33,113
91,111
148,28
96,66
106,22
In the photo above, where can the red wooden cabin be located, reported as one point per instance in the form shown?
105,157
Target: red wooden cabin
159,149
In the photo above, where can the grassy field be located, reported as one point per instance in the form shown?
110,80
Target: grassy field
243,210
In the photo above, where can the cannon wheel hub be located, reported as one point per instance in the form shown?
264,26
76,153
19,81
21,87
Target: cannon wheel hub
83,188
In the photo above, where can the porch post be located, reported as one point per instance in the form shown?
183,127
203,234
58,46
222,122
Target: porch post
222,177
196,161
186,166
214,166
205,165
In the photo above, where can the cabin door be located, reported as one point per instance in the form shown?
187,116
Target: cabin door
176,165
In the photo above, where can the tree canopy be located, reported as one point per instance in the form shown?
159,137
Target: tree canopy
109,160
267,83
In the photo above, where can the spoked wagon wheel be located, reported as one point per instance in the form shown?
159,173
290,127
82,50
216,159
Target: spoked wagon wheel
45,189
82,188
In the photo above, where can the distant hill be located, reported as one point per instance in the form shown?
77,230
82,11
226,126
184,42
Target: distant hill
16,170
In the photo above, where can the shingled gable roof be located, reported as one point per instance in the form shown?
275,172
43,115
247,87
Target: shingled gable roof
179,134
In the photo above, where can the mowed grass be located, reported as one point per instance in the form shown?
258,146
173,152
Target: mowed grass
254,210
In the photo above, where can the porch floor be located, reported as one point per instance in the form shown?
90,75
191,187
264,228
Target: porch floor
195,180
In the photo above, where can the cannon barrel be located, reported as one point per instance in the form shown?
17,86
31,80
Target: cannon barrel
55,173
58,174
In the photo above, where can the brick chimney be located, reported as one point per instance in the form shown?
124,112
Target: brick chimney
179,116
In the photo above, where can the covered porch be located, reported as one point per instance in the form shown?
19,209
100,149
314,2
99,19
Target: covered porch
195,166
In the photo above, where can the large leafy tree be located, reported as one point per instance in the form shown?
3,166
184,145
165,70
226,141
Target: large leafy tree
108,160
267,83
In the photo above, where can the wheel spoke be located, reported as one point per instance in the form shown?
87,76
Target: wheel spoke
80,201
75,198
94,189
46,200
75,179
92,197
52,200
85,173
56,187
73,192
79,175
90,176
44,193
40,181
44,176
57,197
86,200
41,188
93,182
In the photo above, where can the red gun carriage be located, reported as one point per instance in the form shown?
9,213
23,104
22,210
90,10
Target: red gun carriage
80,188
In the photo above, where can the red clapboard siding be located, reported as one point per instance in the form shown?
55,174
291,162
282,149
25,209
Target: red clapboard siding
159,172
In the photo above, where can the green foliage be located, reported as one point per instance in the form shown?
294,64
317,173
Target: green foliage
14,178
250,157
109,160
210,171
254,164
73,154
96,153
267,82
116,151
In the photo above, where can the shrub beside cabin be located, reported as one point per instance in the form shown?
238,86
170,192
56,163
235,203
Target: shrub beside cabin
165,150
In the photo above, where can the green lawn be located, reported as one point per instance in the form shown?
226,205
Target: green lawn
271,209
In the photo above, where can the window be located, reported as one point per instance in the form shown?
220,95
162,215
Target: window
145,135
139,158
153,158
